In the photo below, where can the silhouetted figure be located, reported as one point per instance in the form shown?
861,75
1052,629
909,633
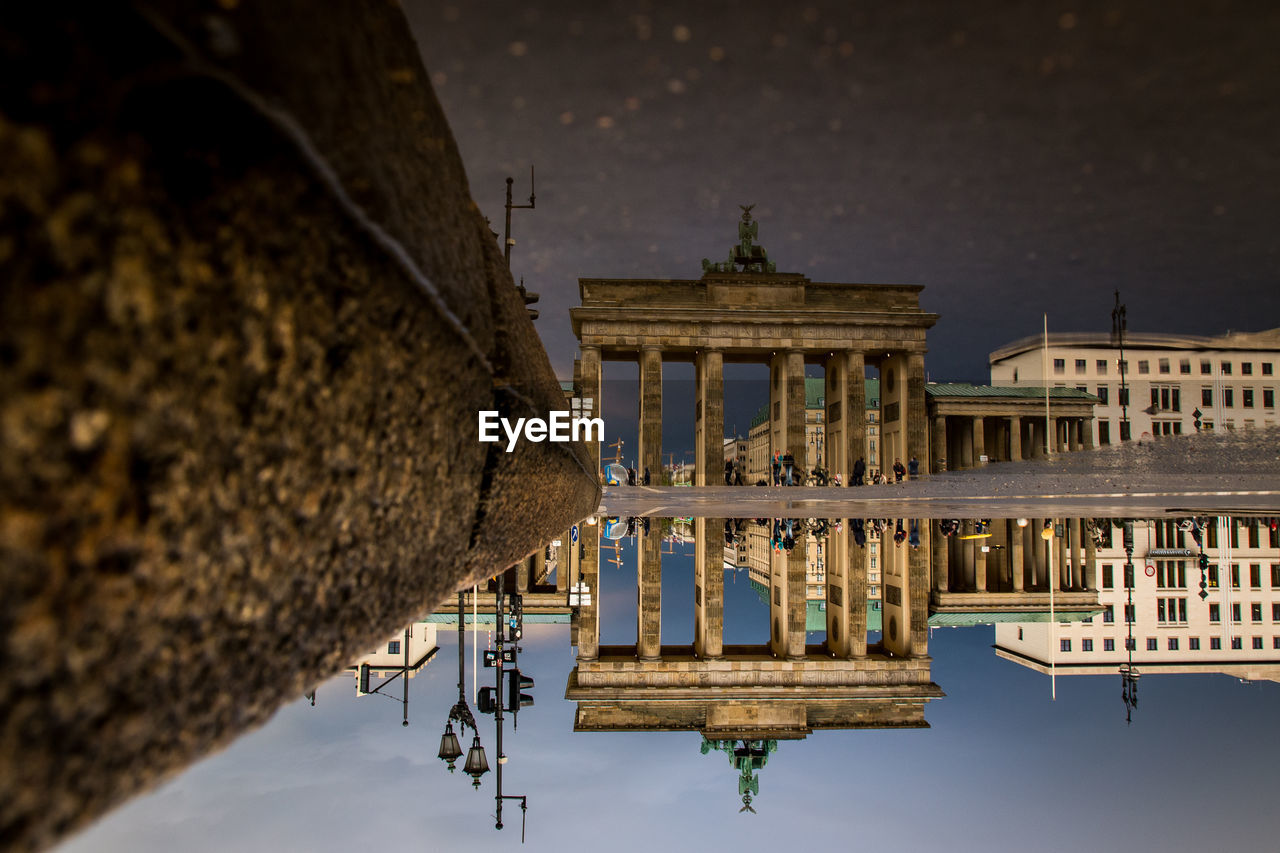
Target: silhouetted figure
859,469
631,476
788,468
646,475
898,471
913,467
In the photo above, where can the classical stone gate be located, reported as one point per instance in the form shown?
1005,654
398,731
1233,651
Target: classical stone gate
742,310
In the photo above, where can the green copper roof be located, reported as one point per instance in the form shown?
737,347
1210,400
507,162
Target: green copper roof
815,615
964,389
967,618
815,394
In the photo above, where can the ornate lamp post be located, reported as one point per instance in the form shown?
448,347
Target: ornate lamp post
450,750
1118,326
1128,672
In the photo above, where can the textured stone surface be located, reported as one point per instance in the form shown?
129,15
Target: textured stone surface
248,313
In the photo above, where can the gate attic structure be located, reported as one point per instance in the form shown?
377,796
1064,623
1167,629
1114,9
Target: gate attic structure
741,311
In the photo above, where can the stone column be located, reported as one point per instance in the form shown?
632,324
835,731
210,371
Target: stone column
650,455
846,435
1086,433
1090,557
588,629
708,588
979,565
846,595
797,599
1038,552
787,604
1060,565
709,420
966,443
918,591
1015,438
793,437
917,433
1077,553
590,369
938,444
649,594
524,570
941,555
1017,555
979,440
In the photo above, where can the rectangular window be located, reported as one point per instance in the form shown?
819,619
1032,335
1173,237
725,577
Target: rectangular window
1184,367
1275,612
1102,395
1255,570
1059,365
1109,645
1255,612
1102,367
1226,368
1235,569
1205,368
1152,644
1235,611
1213,577
1104,432
1246,398
1108,581
1122,397
1268,398
1081,365
1236,643
1193,644
1275,575
393,647
1065,645
1215,613
1086,645
1215,643
1275,642
1163,365
1144,366
1266,368
1246,368
1173,644
1128,612
1206,396
1109,615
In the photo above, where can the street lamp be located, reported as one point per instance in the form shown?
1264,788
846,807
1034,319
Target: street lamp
477,765
450,748
1128,672
1118,327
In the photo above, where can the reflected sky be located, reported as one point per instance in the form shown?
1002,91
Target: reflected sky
1003,765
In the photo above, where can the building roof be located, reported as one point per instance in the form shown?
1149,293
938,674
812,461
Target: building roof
815,390
1268,339
965,389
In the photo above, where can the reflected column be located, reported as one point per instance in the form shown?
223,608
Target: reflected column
709,417
846,420
1015,438
649,593
846,594
708,588
589,367
650,410
588,616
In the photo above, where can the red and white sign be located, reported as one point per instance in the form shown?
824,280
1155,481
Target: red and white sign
1151,570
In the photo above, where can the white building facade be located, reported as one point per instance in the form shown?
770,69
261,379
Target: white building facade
1231,380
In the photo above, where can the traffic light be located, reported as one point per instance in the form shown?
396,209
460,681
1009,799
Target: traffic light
364,678
515,699
1204,582
487,700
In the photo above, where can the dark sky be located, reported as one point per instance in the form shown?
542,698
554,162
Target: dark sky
1012,158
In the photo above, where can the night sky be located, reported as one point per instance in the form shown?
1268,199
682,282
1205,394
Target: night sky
1012,158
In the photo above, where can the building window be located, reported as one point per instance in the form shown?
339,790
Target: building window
1086,645
1144,366
1206,396
1236,643
1246,398
1184,367
1228,398
1122,397
1081,365
1108,580
1065,645
1246,368
1268,398
1109,645
1109,615
1019,633
1226,368
1255,612
1152,644
1255,570
1215,613
1215,643
1102,395
1124,366
1235,611
1104,432
393,647
1213,575
1193,644
1171,610
1102,367
1266,368
1205,368
1163,365
1173,644
1128,612
1059,365
1257,642
1275,642
1275,612
1275,575
1235,569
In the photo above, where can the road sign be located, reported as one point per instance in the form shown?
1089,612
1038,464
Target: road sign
491,656
1151,570
573,534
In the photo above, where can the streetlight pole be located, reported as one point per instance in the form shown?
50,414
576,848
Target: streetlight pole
1118,326
507,241
1128,672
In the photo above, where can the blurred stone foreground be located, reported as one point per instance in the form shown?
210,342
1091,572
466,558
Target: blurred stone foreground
248,314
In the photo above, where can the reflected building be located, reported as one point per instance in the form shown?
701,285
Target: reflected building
1234,630
406,652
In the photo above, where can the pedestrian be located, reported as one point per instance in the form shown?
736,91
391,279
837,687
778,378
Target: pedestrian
631,476
859,469
789,468
913,467
777,468
646,475
898,471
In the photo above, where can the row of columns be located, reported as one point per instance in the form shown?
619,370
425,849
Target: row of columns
962,440
1018,559
905,613
902,396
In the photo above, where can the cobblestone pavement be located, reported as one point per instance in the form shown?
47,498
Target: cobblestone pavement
1233,473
